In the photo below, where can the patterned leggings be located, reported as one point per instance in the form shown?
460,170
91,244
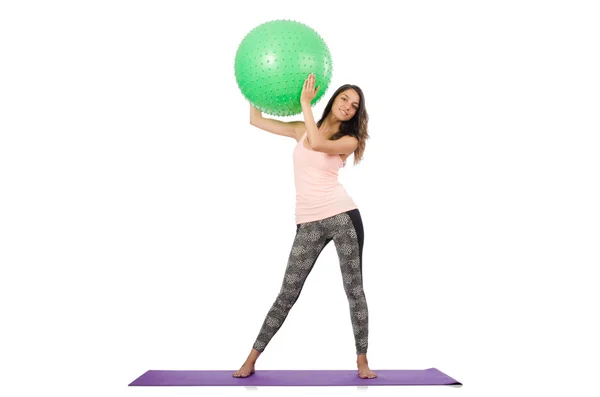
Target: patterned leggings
346,230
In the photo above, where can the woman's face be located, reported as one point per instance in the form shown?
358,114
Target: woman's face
345,105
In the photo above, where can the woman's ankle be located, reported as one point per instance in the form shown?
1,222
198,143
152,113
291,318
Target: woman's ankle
253,356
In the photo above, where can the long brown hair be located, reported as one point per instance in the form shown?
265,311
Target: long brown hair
356,126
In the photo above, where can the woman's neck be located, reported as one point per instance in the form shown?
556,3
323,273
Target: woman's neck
330,126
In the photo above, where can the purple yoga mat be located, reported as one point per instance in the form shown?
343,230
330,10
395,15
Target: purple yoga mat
405,377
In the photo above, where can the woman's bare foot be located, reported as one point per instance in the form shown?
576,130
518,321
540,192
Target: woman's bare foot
364,371
248,367
246,370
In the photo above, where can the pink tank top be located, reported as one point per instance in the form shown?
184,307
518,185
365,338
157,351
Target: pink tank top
319,195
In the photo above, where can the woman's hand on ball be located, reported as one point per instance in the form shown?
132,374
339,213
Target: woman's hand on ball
309,92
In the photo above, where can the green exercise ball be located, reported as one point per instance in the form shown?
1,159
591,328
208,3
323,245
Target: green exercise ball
274,59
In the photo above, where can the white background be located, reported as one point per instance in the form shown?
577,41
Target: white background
146,225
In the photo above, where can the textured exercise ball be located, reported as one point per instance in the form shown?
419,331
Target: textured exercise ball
274,59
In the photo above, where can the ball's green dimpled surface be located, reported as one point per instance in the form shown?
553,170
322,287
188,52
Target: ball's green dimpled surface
274,59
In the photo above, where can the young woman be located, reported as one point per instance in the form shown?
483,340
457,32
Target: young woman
324,211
